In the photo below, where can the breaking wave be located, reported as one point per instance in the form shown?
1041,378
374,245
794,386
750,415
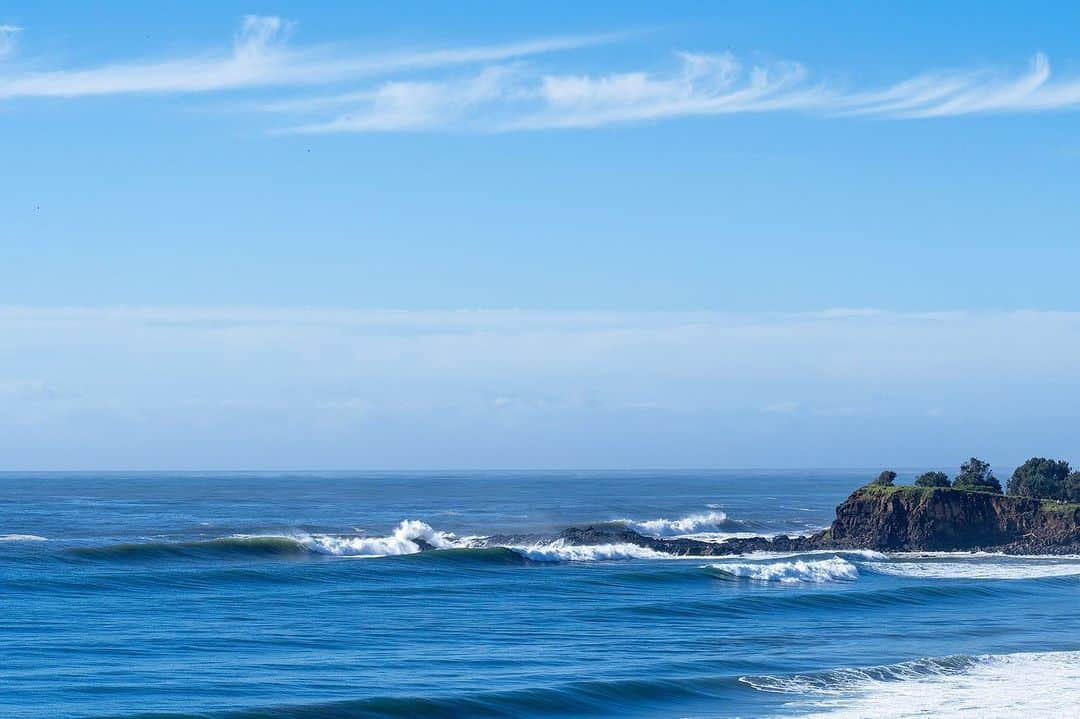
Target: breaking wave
410,537
561,551
958,687
833,569
706,523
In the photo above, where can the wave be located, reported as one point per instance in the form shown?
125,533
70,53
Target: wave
971,568
833,569
410,537
598,697
1031,685
561,551
22,538
706,523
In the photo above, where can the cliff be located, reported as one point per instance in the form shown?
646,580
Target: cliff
938,519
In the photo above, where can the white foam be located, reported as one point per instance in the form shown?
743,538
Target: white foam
560,551
22,538
834,569
979,568
709,522
1029,685
402,541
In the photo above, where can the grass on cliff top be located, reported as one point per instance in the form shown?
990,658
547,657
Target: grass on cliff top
1052,505
909,491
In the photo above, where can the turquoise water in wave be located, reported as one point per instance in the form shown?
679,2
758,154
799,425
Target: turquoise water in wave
303,596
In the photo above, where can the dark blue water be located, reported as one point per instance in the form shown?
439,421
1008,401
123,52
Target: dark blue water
303,595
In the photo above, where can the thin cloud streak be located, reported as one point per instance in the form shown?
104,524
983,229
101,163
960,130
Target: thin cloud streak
701,85
505,94
259,57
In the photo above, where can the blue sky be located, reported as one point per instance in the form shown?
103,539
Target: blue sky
724,234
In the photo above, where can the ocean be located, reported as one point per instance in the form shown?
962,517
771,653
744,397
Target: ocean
305,596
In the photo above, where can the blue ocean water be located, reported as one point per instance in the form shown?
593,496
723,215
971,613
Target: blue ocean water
285,596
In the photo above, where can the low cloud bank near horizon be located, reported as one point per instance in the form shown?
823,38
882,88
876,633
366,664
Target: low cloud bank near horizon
497,87
158,387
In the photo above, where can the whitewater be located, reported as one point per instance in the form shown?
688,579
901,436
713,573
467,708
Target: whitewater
344,595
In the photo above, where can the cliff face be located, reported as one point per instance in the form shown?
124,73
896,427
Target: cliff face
915,519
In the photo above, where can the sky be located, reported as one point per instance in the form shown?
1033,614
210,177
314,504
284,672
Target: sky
538,235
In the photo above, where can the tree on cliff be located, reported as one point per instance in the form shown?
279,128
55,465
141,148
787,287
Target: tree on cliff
885,479
932,479
1042,478
1072,487
975,476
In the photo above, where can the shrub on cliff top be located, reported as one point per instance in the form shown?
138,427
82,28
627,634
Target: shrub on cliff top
933,479
1043,478
885,479
975,476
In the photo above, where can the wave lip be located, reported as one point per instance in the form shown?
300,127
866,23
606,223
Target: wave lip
797,571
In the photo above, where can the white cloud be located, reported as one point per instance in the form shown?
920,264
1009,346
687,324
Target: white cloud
259,57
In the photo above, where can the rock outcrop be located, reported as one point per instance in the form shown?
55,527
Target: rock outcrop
939,519
894,519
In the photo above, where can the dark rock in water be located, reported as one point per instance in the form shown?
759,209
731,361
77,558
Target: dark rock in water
894,519
619,534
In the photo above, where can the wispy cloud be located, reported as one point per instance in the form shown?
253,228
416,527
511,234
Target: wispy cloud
502,92
496,100
259,57
8,34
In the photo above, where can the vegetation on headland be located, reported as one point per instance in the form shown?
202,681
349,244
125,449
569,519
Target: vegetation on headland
1038,478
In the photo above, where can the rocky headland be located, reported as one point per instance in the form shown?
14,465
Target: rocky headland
889,518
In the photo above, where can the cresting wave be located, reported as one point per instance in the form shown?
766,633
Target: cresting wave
707,523
561,551
833,569
1031,685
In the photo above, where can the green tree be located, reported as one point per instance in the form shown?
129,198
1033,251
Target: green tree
1040,477
932,479
1072,487
885,479
975,476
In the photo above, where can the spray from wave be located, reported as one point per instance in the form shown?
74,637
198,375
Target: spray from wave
799,571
